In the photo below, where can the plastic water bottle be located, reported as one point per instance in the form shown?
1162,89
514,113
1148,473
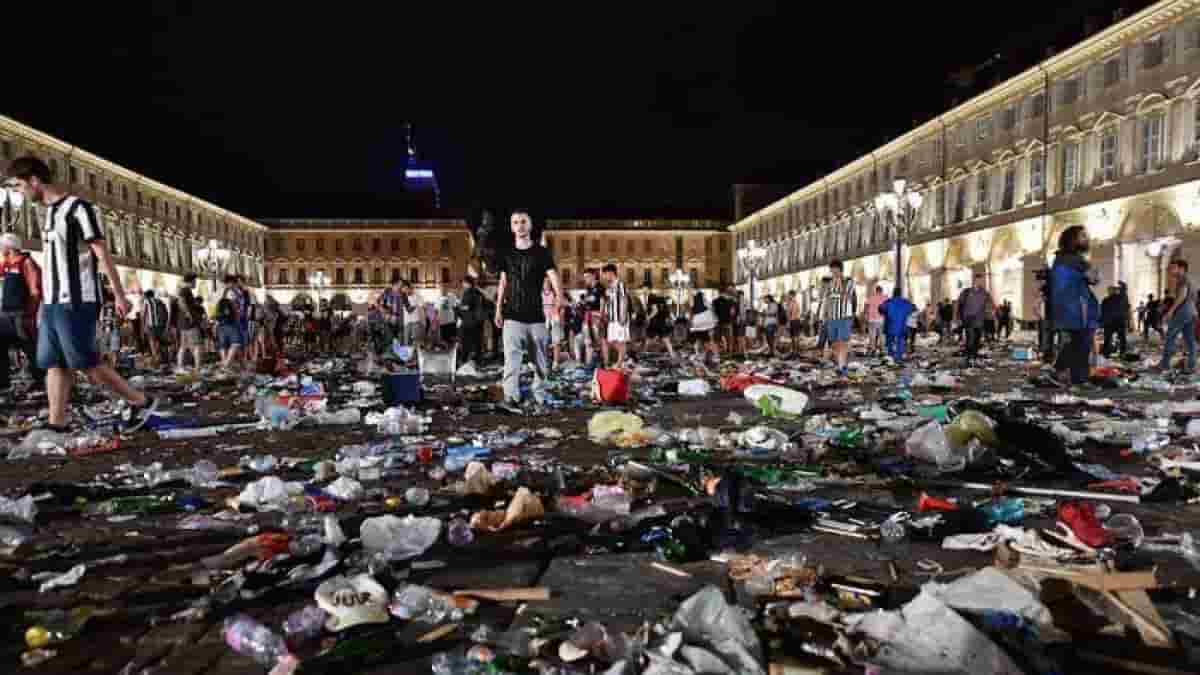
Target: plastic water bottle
304,625
416,496
419,603
459,533
204,473
250,638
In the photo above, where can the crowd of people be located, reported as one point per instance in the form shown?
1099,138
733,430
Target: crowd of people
76,317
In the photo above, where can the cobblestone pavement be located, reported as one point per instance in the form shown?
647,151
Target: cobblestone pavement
153,575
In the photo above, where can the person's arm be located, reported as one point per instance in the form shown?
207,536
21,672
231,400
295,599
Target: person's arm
559,299
500,299
33,279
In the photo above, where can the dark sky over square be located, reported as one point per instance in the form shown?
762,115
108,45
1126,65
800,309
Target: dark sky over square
298,109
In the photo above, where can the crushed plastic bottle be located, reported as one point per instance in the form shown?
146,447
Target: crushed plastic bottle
204,473
303,625
459,533
416,496
250,638
423,604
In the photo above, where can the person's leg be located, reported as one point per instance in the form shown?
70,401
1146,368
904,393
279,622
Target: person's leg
1122,339
513,354
541,360
1188,329
5,343
1082,371
58,391
1106,348
110,378
1169,346
900,345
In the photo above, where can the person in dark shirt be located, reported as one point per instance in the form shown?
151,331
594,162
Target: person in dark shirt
659,324
593,319
519,313
1114,317
1153,318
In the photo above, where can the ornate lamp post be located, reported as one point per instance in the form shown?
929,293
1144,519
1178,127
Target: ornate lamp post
752,257
680,281
900,207
319,283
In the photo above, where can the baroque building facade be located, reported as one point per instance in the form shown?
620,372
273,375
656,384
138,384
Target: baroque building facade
153,230
644,251
358,259
1105,134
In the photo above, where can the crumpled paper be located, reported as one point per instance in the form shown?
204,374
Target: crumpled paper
524,507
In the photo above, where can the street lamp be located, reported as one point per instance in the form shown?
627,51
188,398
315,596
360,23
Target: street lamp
902,205
752,258
680,281
319,283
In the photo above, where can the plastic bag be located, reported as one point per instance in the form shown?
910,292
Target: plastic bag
928,443
991,590
707,619
399,538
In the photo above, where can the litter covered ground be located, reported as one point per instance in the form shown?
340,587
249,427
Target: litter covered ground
749,516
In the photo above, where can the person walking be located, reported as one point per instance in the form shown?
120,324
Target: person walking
896,312
770,322
659,324
874,320
473,314
616,311
1180,316
1114,318
1153,320
519,312
74,251
837,308
974,304
20,302
795,315
1075,310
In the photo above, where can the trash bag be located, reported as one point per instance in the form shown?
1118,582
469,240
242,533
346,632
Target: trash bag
707,619
399,538
929,444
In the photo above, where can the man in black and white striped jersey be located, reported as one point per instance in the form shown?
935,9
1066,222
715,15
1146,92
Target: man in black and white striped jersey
73,255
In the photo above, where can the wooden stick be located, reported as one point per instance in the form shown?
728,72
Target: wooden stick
438,633
670,570
507,594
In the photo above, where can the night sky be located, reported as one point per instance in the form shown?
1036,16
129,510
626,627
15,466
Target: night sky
619,107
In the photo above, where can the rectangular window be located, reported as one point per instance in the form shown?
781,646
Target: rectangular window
1070,167
301,276
445,275
981,192
395,246
358,275
1010,187
412,247
566,245
1150,157
377,276
983,128
356,244
445,246
1152,52
1069,91
108,187
1037,104
1112,71
300,245
721,244
1008,118
339,276
647,279
665,277
395,273
7,148
376,245
630,277
414,276
939,214
1037,175
1108,156
92,181
612,246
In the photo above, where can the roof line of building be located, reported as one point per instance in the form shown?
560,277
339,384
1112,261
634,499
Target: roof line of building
1063,62
76,151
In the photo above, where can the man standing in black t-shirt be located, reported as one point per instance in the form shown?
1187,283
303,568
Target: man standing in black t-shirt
519,313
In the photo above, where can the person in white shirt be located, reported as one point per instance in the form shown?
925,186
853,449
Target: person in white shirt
616,310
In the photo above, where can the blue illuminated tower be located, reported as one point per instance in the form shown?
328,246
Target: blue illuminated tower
420,178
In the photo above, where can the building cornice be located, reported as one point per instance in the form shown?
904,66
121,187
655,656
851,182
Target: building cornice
1146,22
30,134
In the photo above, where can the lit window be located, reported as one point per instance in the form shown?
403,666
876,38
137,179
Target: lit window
1037,175
1108,156
1150,156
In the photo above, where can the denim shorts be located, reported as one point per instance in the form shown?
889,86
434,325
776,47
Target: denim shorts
229,335
67,336
837,330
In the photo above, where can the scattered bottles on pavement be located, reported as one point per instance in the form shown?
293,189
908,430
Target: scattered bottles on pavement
423,604
57,626
303,625
459,533
250,638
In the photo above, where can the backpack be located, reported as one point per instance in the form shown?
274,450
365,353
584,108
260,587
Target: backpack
225,311
182,313
14,290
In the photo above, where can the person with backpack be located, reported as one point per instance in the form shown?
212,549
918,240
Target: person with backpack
187,320
20,298
771,316
229,333
155,325
473,313
726,310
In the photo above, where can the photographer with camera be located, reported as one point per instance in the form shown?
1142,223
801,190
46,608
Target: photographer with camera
1074,308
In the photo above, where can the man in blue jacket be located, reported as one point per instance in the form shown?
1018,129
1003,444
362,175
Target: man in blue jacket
1074,308
896,311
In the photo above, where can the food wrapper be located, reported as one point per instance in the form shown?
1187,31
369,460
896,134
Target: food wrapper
524,507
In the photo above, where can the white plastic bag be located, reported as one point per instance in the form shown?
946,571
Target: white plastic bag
929,444
399,538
